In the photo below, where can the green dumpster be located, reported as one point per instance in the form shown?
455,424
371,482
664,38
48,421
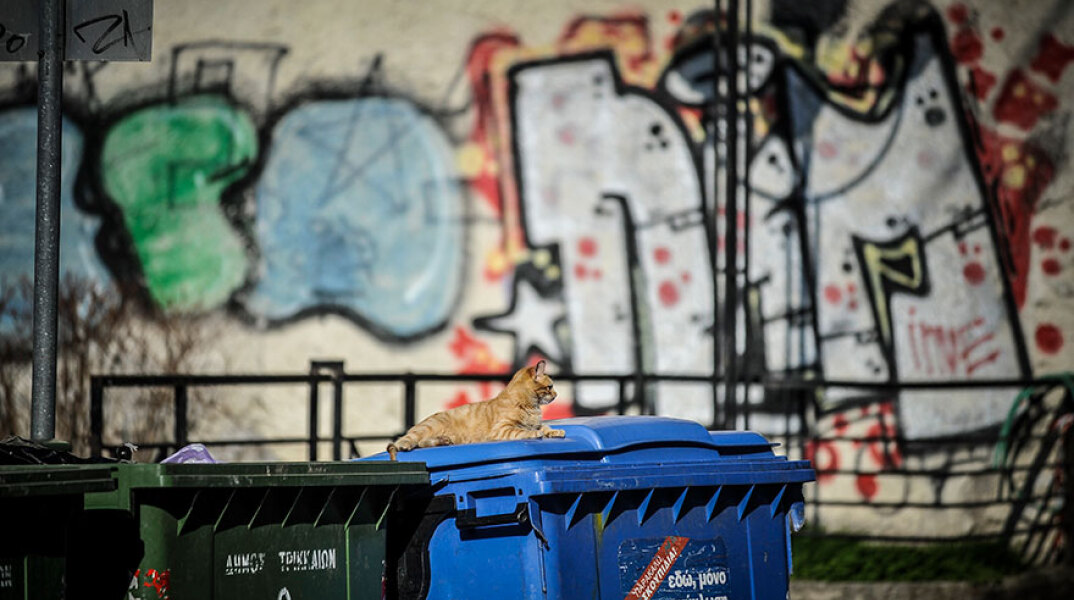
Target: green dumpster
259,530
42,530
200,531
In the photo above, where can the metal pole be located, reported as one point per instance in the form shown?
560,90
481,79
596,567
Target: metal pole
747,146
410,402
96,416
47,234
714,211
180,399
314,401
337,414
730,306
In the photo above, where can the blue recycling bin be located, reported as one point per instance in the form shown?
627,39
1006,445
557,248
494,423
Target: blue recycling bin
622,507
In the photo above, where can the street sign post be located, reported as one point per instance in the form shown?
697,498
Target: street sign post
51,31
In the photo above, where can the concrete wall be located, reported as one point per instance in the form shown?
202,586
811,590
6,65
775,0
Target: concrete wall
460,186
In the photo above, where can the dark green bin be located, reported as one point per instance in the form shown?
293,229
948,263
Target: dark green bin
256,530
40,521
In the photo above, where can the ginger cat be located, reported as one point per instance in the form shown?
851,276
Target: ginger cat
514,414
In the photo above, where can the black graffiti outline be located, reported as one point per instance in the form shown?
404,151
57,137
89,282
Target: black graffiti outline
15,37
100,46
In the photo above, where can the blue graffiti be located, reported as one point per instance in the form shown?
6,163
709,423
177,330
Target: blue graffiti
18,202
359,210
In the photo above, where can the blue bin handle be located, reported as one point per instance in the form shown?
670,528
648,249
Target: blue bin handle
468,519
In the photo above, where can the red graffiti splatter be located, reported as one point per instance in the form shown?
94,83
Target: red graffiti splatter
832,293
587,247
627,26
966,46
461,397
884,459
825,466
827,149
1049,339
566,136
674,17
662,255
951,349
1050,266
685,276
476,355
580,271
852,305
669,293
958,13
1064,244
560,409
597,273
998,33
974,273
1008,162
983,82
1052,58
1021,102
158,580
486,129
1044,237
867,486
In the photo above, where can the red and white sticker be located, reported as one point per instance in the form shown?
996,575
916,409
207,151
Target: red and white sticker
657,570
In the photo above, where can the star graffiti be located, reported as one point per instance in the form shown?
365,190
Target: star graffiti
534,319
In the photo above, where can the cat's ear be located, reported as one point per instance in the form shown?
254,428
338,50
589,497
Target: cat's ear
538,369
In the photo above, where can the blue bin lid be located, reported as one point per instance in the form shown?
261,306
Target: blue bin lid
599,439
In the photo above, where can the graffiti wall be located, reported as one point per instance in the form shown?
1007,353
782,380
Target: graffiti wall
457,188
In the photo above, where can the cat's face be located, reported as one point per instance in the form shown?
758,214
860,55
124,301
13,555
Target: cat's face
542,384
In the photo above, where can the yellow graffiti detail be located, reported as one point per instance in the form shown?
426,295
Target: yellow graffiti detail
876,265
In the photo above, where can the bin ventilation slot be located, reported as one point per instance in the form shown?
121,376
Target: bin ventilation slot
680,502
774,506
240,509
713,503
274,507
340,506
205,508
573,510
643,508
744,503
605,514
372,506
308,504
756,496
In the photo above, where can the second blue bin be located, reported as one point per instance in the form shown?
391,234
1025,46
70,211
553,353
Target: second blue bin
623,507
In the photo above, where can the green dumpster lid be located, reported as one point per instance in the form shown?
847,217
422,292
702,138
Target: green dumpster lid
55,480
272,474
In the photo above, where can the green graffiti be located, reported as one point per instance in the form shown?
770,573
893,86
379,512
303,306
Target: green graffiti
166,167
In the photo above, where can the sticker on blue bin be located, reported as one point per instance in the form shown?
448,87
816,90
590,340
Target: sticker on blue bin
675,567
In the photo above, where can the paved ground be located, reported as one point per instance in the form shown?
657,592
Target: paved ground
1053,583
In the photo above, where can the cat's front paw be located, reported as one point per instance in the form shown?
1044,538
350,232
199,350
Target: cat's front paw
555,433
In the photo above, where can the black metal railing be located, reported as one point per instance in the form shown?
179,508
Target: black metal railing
1019,481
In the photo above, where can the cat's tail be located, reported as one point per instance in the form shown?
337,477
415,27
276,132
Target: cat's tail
392,450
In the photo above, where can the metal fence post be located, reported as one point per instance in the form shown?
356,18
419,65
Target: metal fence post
621,406
730,313
337,413
96,416
181,433
410,393
314,401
